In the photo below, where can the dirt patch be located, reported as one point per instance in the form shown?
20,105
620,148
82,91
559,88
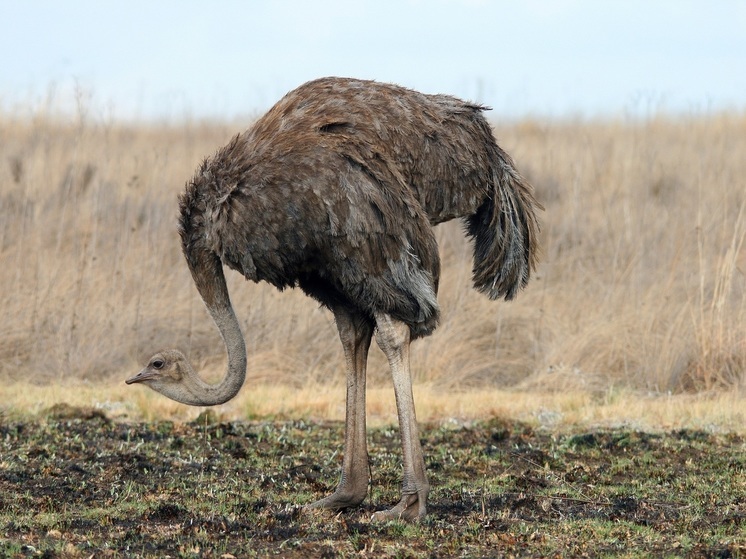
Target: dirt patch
77,485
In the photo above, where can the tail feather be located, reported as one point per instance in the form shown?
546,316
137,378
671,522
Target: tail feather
505,230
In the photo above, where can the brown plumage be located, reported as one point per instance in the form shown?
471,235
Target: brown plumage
335,190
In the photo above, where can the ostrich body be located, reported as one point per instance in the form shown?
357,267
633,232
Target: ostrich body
336,190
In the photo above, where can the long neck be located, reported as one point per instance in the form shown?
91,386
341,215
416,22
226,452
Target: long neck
205,394
207,272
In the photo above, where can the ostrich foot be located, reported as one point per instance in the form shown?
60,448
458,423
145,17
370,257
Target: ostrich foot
339,500
411,508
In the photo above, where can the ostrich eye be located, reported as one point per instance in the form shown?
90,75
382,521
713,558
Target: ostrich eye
158,364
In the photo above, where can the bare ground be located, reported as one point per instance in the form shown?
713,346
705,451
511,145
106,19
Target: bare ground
75,484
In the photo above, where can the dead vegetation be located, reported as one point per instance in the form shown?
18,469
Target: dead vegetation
641,285
634,326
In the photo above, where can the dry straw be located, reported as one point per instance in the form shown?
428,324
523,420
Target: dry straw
641,288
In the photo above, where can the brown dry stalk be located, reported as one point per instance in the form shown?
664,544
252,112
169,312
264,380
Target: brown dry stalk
641,286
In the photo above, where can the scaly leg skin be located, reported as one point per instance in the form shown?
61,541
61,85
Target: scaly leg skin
355,332
393,338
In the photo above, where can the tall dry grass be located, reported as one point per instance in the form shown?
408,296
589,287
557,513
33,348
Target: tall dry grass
642,283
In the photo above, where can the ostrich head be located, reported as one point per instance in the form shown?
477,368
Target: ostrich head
169,373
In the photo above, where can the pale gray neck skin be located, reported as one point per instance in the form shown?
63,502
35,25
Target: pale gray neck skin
196,392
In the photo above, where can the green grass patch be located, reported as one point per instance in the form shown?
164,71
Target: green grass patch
78,487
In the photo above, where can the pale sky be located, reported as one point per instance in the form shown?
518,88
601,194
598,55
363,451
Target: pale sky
166,59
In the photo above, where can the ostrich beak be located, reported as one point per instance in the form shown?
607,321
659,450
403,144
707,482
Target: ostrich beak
142,376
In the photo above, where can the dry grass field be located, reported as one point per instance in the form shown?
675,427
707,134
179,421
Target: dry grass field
600,414
639,303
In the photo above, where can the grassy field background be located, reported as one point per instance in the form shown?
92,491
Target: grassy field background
638,306
599,414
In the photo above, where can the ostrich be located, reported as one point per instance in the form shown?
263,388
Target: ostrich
336,190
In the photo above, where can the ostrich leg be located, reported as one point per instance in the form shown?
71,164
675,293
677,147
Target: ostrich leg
355,332
393,338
